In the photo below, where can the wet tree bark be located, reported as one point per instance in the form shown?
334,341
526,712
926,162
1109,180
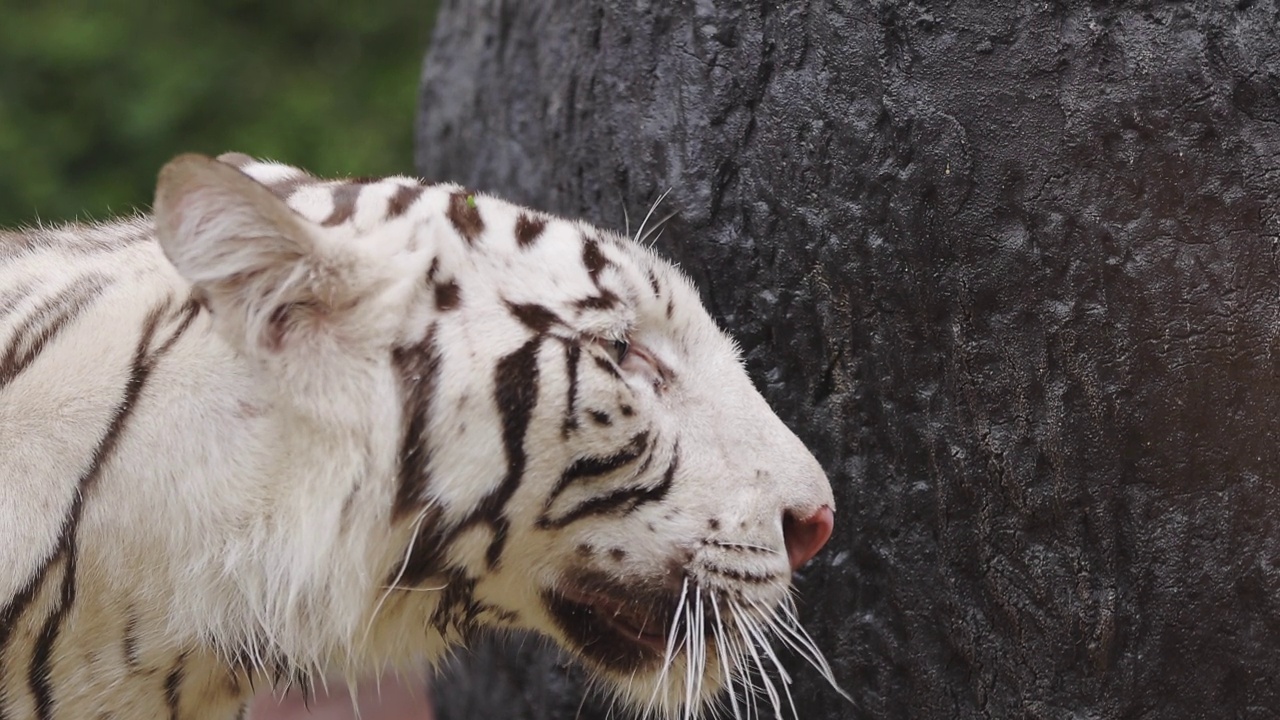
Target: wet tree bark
1010,269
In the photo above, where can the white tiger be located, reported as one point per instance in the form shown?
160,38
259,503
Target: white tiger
292,426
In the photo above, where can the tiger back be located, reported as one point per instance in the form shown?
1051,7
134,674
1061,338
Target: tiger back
289,427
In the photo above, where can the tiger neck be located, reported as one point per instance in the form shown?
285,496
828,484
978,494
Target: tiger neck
296,539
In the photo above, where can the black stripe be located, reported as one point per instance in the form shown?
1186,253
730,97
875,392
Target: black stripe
659,492
405,197
516,391
426,553
418,369
591,467
624,500
131,659
528,228
45,323
138,374
18,603
188,312
592,258
447,295
9,615
533,316
10,298
344,203
607,365
67,241
573,355
173,688
284,189
742,575
348,506
40,672
456,606
604,301
465,216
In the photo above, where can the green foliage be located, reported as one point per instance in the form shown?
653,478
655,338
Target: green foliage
95,96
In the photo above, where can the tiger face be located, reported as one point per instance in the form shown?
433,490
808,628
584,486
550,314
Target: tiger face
542,428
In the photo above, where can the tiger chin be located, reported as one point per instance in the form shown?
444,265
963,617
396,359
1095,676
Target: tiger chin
288,427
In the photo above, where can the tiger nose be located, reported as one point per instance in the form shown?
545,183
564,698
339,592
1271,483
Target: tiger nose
805,536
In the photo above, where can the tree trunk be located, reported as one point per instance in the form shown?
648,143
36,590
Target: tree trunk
1009,269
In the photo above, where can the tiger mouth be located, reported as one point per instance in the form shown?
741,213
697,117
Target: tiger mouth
620,631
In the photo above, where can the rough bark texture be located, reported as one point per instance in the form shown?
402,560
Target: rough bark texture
1010,269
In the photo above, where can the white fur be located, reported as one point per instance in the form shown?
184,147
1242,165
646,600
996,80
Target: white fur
246,507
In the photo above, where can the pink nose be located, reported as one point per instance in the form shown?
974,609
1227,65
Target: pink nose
806,536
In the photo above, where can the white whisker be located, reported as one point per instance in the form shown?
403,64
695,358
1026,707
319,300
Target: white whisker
659,684
783,675
406,588
404,565
783,630
649,214
793,633
659,227
688,662
701,647
750,690
722,650
745,623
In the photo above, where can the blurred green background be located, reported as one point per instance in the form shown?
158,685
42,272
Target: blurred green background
95,95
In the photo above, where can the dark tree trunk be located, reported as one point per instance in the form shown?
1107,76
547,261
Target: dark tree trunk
1010,269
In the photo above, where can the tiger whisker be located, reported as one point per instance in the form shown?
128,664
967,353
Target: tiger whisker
690,631
784,632
790,630
811,653
671,644
583,702
659,227
353,690
762,641
784,677
748,624
743,670
649,214
722,650
700,670
404,565
406,588
631,681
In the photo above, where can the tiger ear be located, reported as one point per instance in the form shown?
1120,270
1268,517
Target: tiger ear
265,272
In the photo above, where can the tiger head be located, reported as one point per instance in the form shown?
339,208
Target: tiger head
552,433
